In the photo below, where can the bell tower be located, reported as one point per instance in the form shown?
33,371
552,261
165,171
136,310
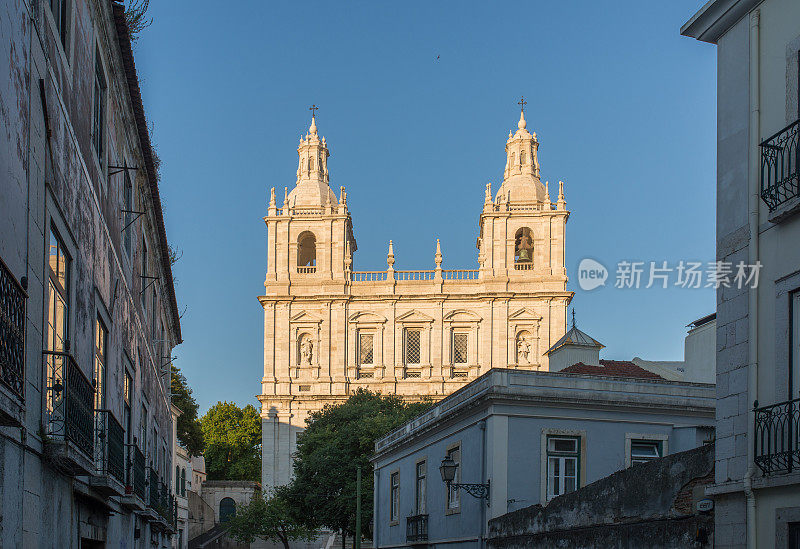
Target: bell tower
521,229
310,237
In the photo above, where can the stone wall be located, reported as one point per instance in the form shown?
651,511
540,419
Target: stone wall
648,505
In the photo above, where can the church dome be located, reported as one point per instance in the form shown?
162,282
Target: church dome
312,194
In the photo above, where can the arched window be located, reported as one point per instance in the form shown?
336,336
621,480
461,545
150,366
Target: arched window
306,250
227,509
521,158
512,159
523,246
310,163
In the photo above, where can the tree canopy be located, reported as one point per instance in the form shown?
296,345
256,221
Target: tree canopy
189,433
268,517
233,442
336,441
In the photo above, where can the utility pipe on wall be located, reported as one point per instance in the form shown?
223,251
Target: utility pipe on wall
753,256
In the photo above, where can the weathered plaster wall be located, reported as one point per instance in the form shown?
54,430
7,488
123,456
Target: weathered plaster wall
649,505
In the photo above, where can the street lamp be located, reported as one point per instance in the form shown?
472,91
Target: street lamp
448,470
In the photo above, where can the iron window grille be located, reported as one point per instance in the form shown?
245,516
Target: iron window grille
417,528
777,437
780,166
366,346
12,332
412,346
460,343
137,472
70,396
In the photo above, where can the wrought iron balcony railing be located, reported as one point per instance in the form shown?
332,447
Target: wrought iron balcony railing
416,528
780,166
69,402
777,437
136,472
109,445
154,498
12,332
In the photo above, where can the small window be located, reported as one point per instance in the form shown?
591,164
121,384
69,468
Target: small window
421,487
366,349
127,394
100,351
412,346
460,344
643,451
61,15
563,462
127,217
394,501
453,495
99,108
521,158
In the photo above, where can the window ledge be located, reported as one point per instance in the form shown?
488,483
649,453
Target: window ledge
456,511
785,211
394,522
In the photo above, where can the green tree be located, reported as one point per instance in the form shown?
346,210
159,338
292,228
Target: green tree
268,517
189,432
233,442
337,440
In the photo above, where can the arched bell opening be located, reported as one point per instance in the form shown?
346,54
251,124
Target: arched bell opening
523,246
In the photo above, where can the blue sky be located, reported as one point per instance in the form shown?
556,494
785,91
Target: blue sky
624,108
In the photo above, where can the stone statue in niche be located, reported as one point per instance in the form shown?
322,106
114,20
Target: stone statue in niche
306,350
523,348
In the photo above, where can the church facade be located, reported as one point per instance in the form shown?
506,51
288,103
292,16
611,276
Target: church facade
329,329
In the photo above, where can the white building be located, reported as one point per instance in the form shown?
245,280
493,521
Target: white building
329,328
757,488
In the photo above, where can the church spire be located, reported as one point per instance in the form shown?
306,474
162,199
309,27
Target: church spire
312,190
521,183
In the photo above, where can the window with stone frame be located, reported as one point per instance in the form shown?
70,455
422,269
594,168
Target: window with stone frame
366,348
99,107
412,346
563,465
100,360
453,494
460,347
394,497
643,451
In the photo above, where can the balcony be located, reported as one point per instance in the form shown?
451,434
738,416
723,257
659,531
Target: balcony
780,169
109,450
777,437
12,348
417,529
308,269
69,417
136,478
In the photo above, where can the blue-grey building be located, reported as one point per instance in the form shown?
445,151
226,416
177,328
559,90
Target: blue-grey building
526,437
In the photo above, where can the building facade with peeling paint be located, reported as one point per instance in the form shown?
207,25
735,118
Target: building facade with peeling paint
88,314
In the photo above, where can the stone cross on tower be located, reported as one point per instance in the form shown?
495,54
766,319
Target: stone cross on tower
522,103
313,109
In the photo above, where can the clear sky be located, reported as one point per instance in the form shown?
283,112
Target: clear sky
416,100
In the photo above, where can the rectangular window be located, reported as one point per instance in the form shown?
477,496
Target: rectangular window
643,451
794,372
394,502
99,107
143,430
412,346
460,343
100,344
127,218
453,494
144,278
366,349
421,488
60,10
127,394
58,294
563,461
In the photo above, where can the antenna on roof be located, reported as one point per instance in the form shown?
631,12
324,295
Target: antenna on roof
573,317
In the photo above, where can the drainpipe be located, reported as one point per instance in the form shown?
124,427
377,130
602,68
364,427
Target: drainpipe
482,426
753,256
